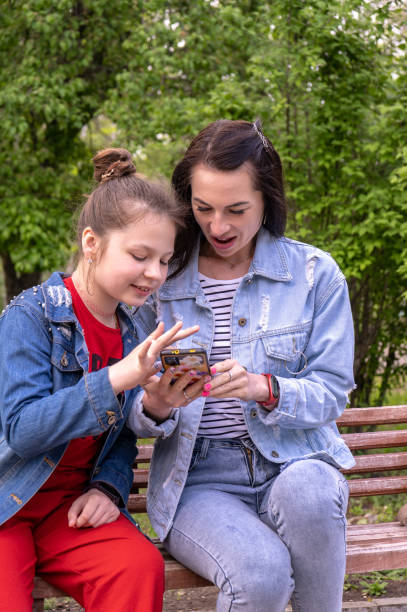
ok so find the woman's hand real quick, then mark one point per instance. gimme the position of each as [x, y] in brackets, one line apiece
[160, 396]
[140, 364]
[92, 509]
[233, 380]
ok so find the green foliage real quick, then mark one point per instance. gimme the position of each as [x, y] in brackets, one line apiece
[57, 61]
[329, 81]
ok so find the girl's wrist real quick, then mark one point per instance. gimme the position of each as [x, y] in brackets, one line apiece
[156, 415]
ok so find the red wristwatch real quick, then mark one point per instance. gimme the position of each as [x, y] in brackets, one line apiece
[274, 392]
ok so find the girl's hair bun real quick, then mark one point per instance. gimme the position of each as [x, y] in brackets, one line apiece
[112, 164]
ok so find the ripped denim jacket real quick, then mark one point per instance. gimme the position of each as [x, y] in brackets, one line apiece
[291, 317]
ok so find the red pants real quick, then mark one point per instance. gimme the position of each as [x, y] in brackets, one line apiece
[112, 568]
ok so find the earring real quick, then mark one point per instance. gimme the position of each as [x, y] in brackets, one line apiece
[90, 260]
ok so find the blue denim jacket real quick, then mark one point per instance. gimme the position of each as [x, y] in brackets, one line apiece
[48, 397]
[290, 317]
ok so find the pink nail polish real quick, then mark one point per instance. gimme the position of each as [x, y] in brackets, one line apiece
[213, 370]
[207, 387]
[205, 393]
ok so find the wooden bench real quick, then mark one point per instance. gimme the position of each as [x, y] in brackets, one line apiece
[369, 547]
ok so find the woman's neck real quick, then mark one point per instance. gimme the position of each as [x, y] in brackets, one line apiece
[222, 268]
[106, 315]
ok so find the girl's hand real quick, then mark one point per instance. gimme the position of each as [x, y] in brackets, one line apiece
[233, 380]
[160, 397]
[92, 509]
[140, 364]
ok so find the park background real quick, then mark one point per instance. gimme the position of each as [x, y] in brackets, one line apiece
[327, 79]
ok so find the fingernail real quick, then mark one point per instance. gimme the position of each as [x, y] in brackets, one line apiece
[208, 378]
[213, 370]
[205, 393]
[207, 387]
[192, 373]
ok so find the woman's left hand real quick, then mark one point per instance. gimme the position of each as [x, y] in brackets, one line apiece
[92, 509]
[233, 380]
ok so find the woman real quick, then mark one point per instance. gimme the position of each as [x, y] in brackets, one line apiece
[69, 361]
[244, 486]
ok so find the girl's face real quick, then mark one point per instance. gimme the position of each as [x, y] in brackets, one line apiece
[228, 210]
[133, 261]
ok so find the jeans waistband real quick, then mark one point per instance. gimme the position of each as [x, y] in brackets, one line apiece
[203, 444]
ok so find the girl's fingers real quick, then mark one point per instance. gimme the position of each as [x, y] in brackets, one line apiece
[184, 333]
[142, 349]
[158, 331]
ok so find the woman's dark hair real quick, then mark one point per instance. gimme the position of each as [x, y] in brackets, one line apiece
[123, 196]
[226, 145]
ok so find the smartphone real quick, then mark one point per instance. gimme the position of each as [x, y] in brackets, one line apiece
[183, 360]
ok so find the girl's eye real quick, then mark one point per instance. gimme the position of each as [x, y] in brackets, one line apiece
[139, 258]
[164, 263]
[237, 212]
[202, 209]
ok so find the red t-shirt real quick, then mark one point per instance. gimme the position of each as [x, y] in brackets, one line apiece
[105, 347]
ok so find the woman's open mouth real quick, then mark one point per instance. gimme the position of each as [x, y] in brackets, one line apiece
[224, 243]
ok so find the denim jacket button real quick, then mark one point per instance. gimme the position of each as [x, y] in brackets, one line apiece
[111, 420]
[274, 454]
[242, 322]
[253, 413]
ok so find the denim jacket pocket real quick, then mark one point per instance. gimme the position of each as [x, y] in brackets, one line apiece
[285, 351]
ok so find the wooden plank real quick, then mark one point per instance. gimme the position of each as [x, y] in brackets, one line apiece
[137, 502]
[140, 477]
[379, 415]
[378, 463]
[383, 485]
[42, 589]
[376, 439]
[376, 547]
[145, 452]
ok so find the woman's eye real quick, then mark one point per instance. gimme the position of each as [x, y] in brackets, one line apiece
[138, 258]
[164, 263]
[201, 209]
[237, 212]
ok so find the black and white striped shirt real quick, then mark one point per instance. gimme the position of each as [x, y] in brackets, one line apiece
[221, 418]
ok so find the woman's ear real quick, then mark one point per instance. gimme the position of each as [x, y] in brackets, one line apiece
[90, 244]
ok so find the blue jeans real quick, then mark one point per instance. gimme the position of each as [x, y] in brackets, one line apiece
[261, 532]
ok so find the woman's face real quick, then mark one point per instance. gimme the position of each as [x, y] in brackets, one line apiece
[228, 210]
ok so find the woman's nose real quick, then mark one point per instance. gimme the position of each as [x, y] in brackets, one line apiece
[219, 226]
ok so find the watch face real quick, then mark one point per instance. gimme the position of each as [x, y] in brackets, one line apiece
[275, 387]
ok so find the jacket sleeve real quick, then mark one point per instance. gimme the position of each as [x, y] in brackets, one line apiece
[319, 394]
[114, 474]
[34, 418]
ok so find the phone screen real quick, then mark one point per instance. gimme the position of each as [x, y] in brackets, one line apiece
[184, 360]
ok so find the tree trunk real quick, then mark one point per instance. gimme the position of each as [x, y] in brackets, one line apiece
[15, 284]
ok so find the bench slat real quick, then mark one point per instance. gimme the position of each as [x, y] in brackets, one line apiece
[376, 439]
[378, 415]
[137, 502]
[376, 547]
[383, 485]
[378, 463]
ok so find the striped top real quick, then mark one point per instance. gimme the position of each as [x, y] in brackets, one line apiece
[221, 418]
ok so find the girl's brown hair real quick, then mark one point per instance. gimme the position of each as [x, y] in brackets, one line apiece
[123, 196]
[226, 145]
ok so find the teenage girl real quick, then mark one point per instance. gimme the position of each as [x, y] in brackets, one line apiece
[69, 363]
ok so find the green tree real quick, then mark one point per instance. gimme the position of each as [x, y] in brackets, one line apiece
[322, 78]
[58, 60]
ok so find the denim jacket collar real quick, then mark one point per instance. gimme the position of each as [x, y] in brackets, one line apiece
[268, 249]
[58, 302]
